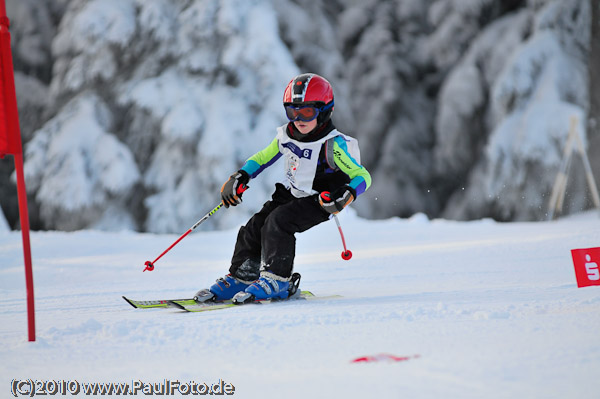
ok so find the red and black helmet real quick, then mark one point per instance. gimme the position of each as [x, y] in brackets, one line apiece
[310, 89]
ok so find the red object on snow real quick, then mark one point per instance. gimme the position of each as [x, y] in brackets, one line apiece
[10, 136]
[383, 357]
[586, 262]
[10, 144]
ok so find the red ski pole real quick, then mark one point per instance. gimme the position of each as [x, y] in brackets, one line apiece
[347, 254]
[150, 265]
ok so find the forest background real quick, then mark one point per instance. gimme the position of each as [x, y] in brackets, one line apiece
[134, 112]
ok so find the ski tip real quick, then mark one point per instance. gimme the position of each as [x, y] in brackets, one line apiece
[129, 302]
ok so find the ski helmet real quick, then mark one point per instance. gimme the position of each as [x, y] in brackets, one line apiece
[310, 89]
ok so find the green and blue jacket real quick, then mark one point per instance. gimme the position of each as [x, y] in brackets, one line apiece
[313, 164]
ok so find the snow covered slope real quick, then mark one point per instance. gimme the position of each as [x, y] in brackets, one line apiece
[479, 309]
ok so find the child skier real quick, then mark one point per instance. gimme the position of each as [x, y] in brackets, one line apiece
[322, 178]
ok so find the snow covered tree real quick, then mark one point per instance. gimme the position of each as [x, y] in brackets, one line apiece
[594, 79]
[216, 103]
[540, 87]
[32, 27]
[462, 125]
[3, 223]
[391, 110]
[192, 88]
[80, 173]
[460, 106]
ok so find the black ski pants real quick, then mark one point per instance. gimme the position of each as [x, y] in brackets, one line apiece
[269, 236]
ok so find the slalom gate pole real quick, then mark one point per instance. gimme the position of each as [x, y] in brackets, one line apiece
[24, 215]
[150, 265]
[10, 144]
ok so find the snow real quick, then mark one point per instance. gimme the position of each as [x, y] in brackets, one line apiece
[480, 310]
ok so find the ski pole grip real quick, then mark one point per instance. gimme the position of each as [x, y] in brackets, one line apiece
[325, 196]
[241, 189]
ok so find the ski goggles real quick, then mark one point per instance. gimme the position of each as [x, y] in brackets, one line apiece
[304, 113]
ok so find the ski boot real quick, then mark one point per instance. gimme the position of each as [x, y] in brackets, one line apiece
[225, 288]
[266, 287]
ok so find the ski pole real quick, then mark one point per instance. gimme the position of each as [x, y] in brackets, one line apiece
[150, 265]
[347, 254]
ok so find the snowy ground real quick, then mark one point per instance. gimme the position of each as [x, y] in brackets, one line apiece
[481, 309]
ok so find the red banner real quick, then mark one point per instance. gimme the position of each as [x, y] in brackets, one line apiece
[10, 136]
[586, 263]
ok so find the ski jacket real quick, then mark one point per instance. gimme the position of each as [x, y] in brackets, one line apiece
[312, 167]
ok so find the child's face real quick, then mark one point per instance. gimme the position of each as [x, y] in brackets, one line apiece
[305, 127]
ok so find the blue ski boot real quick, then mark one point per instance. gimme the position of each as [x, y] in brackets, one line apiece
[225, 288]
[266, 287]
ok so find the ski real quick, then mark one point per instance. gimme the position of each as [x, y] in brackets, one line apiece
[159, 303]
[192, 303]
[209, 306]
[203, 305]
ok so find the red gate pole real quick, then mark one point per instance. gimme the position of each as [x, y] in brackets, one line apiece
[24, 215]
[10, 143]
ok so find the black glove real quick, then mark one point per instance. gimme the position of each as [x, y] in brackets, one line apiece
[338, 200]
[231, 192]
